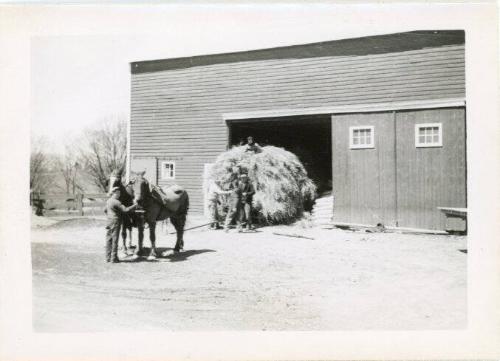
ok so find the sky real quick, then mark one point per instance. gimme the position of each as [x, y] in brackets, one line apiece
[79, 80]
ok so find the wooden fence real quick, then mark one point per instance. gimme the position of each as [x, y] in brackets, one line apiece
[61, 204]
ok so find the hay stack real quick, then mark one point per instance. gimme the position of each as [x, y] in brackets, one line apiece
[282, 187]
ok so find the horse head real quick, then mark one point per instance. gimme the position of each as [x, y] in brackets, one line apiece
[140, 187]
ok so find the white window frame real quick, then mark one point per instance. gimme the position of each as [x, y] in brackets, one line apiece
[164, 175]
[439, 143]
[361, 146]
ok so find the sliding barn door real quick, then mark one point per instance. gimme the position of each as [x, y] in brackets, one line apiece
[363, 168]
[431, 165]
[397, 168]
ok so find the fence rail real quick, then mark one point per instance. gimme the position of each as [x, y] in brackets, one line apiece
[60, 203]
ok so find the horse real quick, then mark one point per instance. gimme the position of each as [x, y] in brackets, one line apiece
[158, 205]
[126, 198]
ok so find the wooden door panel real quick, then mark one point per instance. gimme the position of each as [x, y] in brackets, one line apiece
[364, 179]
[430, 177]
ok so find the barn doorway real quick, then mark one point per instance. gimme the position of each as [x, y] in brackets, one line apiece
[308, 137]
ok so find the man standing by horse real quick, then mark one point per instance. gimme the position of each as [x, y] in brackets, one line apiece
[126, 198]
[155, 204]
[115, 211]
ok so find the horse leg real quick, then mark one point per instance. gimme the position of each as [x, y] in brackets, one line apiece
[124, 236]
[130, 237]
[127, 243]
[152, 239]
[179, 222]
[140, 238]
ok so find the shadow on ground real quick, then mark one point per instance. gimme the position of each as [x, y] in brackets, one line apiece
[172, 256]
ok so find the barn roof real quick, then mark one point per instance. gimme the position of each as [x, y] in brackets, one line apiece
[377, 44]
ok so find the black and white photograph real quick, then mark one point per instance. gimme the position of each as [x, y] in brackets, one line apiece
[272, 170]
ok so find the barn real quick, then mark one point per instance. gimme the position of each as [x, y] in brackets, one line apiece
[378, 121]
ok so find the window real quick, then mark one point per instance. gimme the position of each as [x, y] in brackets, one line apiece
[428, 135]
[167, 170]
[361, 137]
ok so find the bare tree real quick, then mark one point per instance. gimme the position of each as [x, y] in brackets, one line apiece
[41, 166]
[104, 150]
[68, 166]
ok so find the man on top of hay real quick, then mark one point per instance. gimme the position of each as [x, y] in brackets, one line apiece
[252, 146]
[114, 211]
[246, 191]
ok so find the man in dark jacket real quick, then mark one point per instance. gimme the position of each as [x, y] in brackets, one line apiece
[246, 191]
[233, 205]
[115, 211]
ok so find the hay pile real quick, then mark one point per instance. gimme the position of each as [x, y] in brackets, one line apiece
[282, 187]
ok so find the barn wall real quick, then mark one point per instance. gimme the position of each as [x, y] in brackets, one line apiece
[178, 113]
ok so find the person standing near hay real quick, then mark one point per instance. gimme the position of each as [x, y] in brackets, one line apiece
[233, 205]
[246, 191]
[214, 192]
[114, 211]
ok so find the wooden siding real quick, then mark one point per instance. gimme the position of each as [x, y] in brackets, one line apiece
[364, 179]
[178, 113]
[430, 177]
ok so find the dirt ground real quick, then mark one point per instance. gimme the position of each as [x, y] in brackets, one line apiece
[340, 280]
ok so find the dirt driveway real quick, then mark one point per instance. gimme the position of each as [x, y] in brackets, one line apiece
[252, 281]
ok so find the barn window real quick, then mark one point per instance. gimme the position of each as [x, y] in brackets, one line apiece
[167, 170]
[361, 137]
[428, 135]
